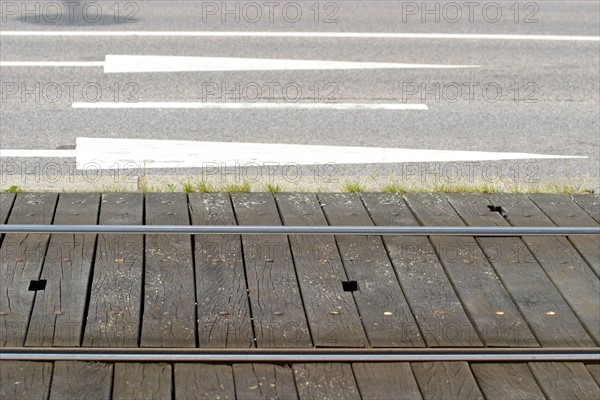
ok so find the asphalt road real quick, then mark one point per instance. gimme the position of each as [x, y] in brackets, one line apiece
[526, 95]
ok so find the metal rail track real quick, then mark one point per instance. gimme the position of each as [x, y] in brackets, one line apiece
[325, 355]
[301, 230]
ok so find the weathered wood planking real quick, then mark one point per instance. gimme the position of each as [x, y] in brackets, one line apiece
[525, 279]
[506, 381]
[590, 204]
[385, 313]
[81, 380]
[332, 314]
[58, 311]
[496, 317]
[437, 309]
[114, 311]
[446, 380]
[564, 212]
[169, 318]
[264, 381]
[6, 203]
[224, 318]
[279, 317]
[25, 380]
[562, 263]
[204, 381]
[325, 381]
[386, 381]
[568, 380]
[142, 381]
[594, 370]
[21, 259]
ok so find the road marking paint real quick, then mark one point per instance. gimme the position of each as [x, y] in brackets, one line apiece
[17, 153]
[107, 153]
[51, 63]
[255, 106]
[341, 35]
[145, 63]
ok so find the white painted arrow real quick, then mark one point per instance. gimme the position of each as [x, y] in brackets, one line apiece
[134, 63]
[113, 153]
[140, 64]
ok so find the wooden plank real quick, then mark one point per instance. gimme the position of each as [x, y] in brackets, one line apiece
[386, 381]
[532, 290]
[325, 381]
[436, 307]
[565, 380]
[6, 203]
[489, 305]
[446, 380]
[332, 314]
[57, 318]
[220, 277]
[264, 381]
[113, 318]
[204, 381]
[506, 381]
[21, 258]
[25, 380]
[384, 310]
[142, 381]
[561, 210]
[561, 262]
[594, 370]
[590, 203]
[279, 317]
[169, 318]
[81, 380]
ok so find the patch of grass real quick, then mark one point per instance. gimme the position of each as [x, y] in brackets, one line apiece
[14, 189]
[188, 188]
[394, 188]
[484, 188]
[171, 188]
[273, 188]
[353, 187]
[238, 187]
[205, 187]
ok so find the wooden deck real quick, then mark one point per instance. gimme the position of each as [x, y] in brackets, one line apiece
[420, 380]
[278, 291]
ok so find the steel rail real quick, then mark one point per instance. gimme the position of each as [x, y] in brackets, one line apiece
[301, 230]
[298, 355]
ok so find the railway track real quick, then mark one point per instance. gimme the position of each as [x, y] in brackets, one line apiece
[323, 355]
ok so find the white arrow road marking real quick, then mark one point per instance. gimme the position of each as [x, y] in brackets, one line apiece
[256, 106]
[335, 35]
[118, 153]
[139, 64]
[128, 63]
[107, 153]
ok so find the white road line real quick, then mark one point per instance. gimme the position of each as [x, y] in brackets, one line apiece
[341, 35]
[147, 63]
[16, 153]
[256, 106]
[51, 63]
[107, 153]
